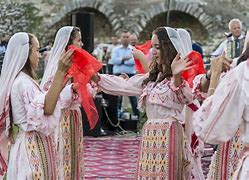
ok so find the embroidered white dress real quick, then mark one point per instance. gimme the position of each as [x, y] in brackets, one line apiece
[32, 156]
[69, 138]
[161, 153]
[225, 159]
[222, 114]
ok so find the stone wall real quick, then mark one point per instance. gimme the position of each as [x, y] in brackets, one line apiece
[207, 18]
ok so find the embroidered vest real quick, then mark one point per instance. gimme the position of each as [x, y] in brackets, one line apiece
[234, 47]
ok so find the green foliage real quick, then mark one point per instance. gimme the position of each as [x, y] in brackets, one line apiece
[15, 17]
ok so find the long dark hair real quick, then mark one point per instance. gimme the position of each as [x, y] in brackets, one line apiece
[28, 67]
[72, 36]
[167, 55]
[244, 56]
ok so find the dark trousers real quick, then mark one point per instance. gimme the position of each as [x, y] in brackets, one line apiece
[133, 101]
[110, 68]
[104, 69]
[111, 112]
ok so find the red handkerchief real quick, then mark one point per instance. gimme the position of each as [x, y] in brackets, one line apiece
[84, 66]
[197, 61]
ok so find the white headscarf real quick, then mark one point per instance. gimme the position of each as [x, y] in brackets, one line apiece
[61, 40]
[186, 41]
[15, 58]
[175, 39]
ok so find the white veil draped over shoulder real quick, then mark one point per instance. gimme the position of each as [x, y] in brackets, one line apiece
[60, 43]
[15, 58]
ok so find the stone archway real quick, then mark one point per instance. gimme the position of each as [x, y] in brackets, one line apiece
[192, 9]
[178, 19]
[99, 5]
[137, 19]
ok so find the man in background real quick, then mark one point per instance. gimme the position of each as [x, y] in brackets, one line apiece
[233, 44]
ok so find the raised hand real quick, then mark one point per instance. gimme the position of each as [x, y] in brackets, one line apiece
[137, 54]
[216, 64]
[65, 61]
[226, 63]
[179, 65]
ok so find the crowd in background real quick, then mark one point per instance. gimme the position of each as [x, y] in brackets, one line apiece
[186, 105]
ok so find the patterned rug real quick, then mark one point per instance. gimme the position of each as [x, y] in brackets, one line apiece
[110, 158]
[115, 158]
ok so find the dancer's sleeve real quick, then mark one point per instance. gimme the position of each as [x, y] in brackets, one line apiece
[220, 116]
[118, 86]
[68, 97]
[29, 109]
[198, 94]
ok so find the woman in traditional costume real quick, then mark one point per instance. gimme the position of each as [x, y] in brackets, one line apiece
[163, 93]
[33, 112]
